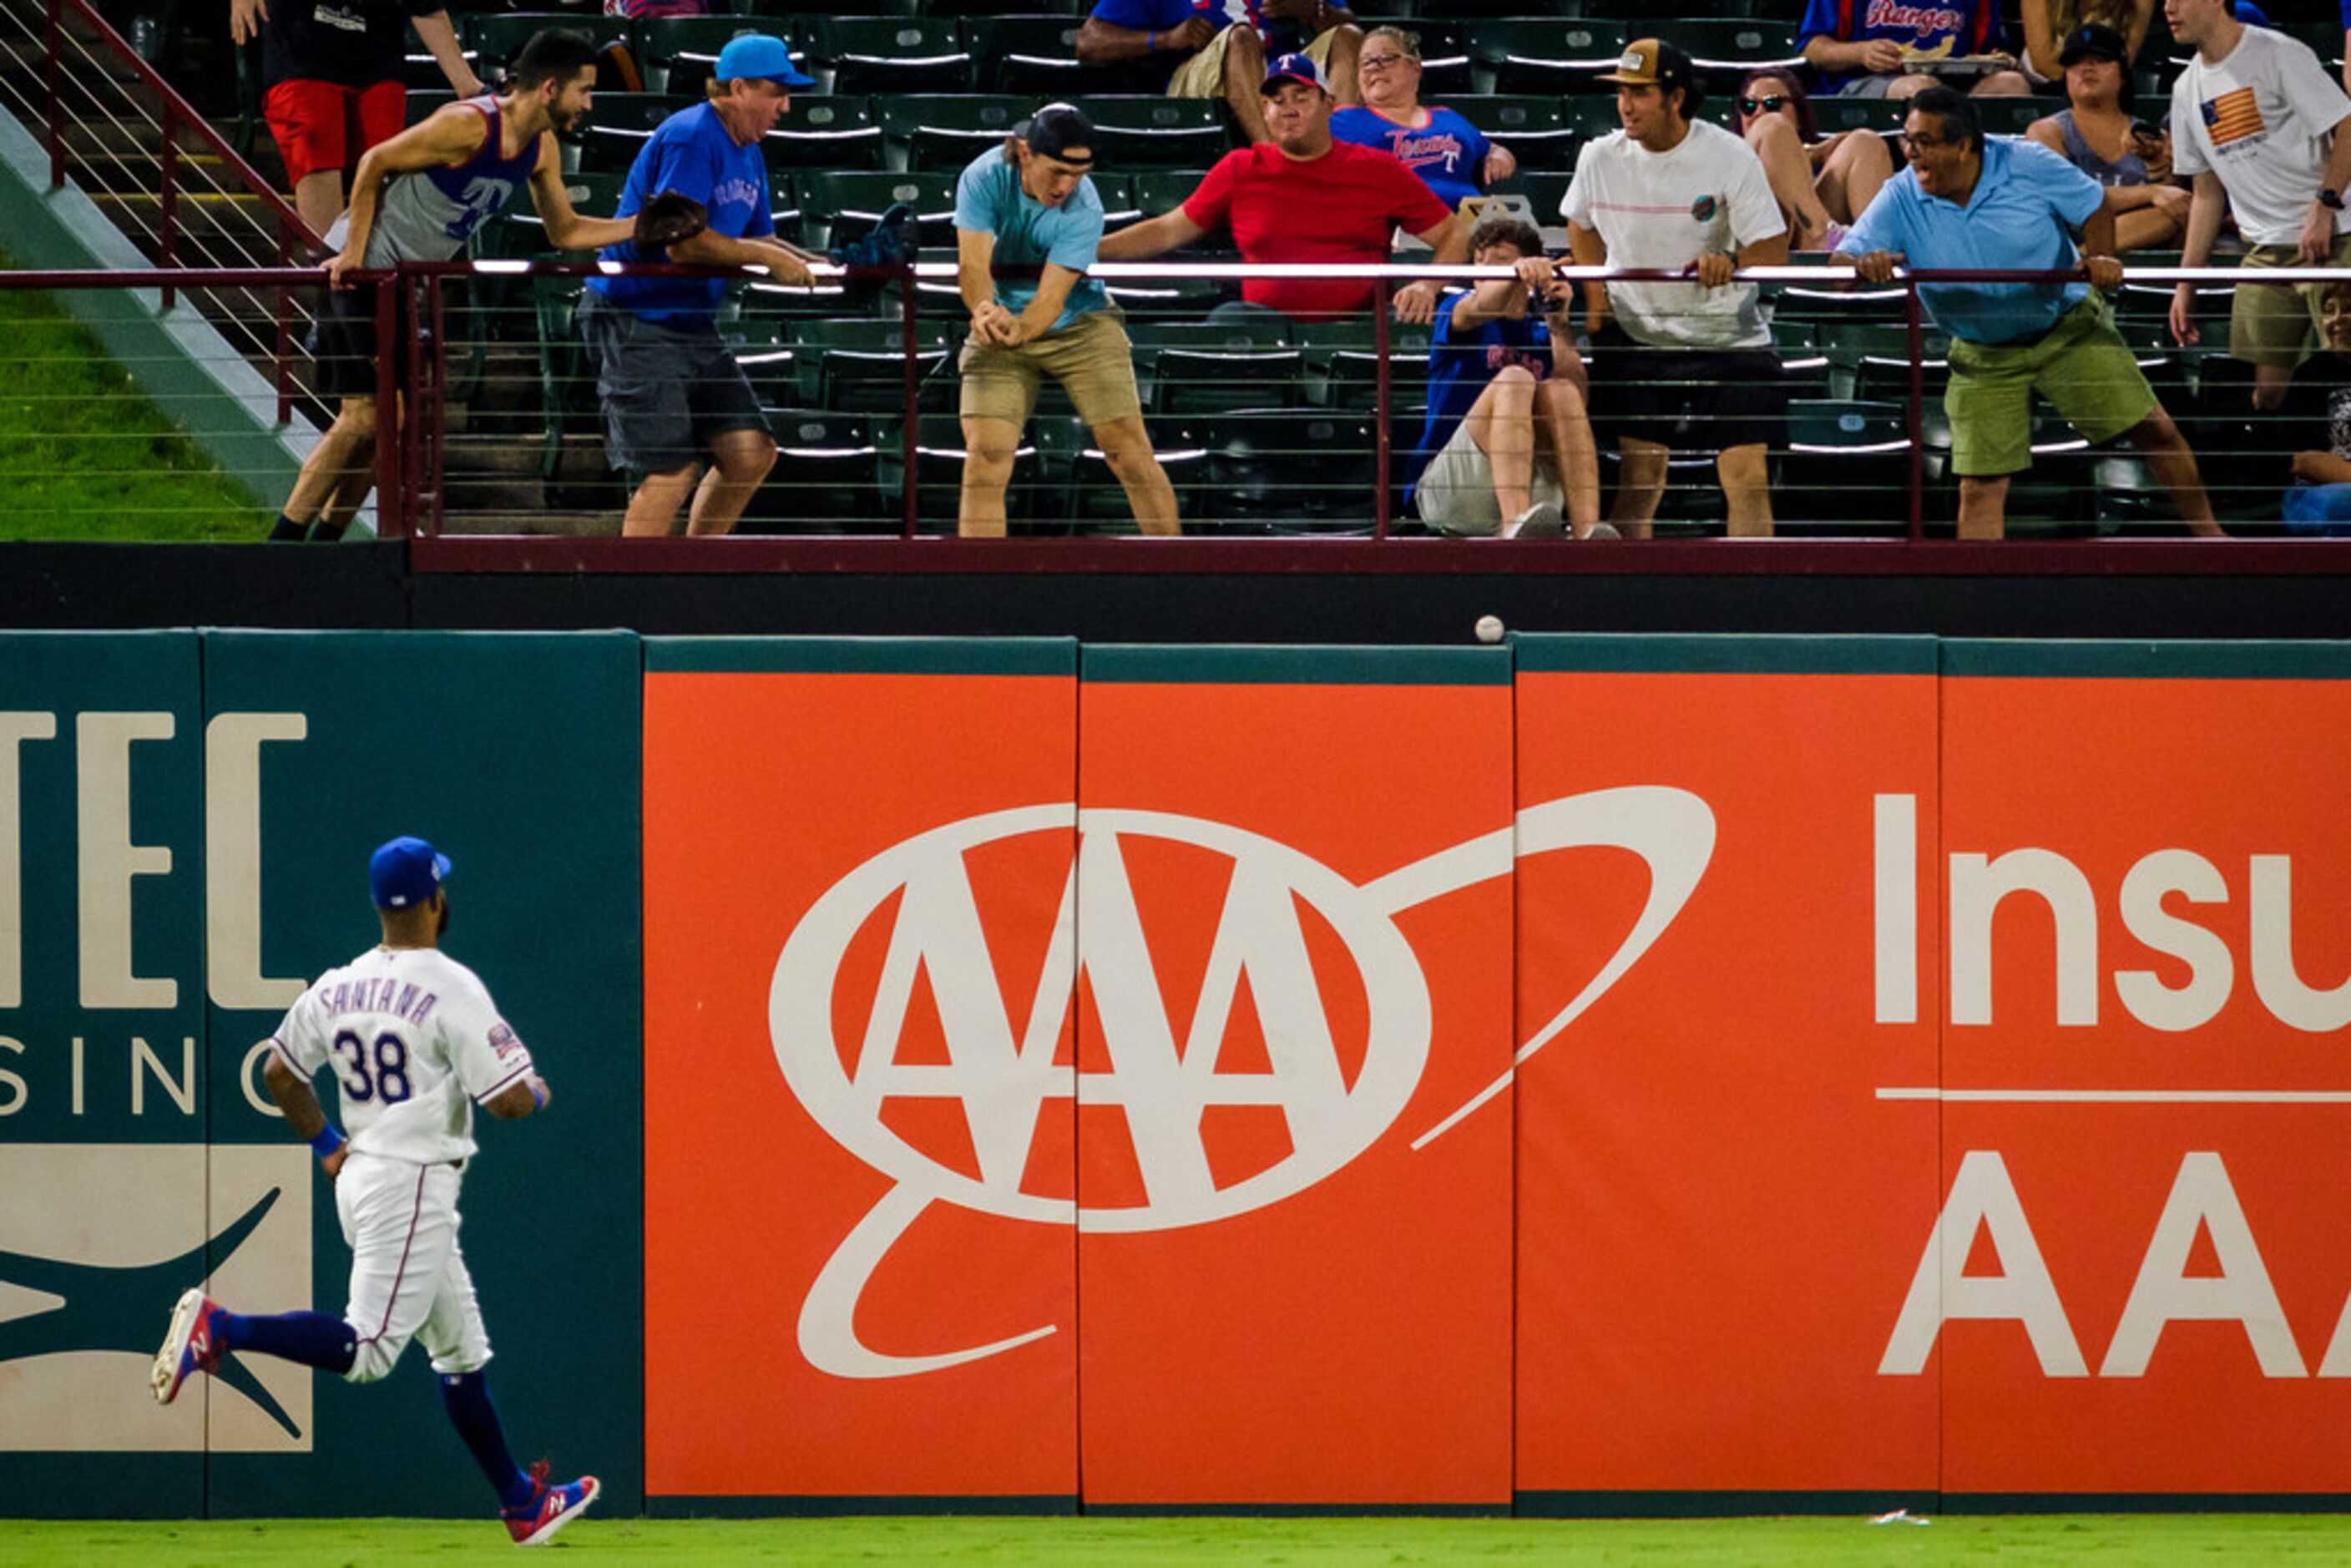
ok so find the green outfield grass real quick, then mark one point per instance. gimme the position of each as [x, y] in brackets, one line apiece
[2135, 1538]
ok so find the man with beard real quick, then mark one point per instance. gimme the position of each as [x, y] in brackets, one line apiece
[419, 197]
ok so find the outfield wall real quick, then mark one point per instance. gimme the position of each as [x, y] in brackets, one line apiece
[1029, 1074]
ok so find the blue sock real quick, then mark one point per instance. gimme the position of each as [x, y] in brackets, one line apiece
[314, 1339]
[466, 1397]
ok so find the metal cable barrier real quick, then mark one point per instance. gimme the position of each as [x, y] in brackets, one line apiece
[1266, 428]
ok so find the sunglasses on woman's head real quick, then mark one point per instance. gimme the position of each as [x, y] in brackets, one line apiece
[1771, 105]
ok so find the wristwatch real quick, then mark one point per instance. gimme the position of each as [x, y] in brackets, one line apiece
[2331, 198]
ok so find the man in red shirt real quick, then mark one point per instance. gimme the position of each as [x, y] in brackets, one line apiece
[1303, 198]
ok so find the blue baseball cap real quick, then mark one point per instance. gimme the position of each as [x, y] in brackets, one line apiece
[1293, 67]
[405, 872]
[759, 57]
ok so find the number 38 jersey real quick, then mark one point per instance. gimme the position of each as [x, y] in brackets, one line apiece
[414, 1040]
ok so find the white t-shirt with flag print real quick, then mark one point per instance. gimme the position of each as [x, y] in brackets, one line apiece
[2263, 119]
[414, 1040]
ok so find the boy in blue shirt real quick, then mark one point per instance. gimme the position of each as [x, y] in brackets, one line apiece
[1023, 207]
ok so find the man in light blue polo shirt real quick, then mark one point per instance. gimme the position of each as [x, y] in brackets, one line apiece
[1966, 202]
[1028, 223]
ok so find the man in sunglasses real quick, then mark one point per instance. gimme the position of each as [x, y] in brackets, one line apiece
[1966, 202]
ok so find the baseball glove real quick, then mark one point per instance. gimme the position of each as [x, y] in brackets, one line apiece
[670, 219]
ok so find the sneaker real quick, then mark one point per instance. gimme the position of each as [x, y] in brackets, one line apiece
[1602, 532]
[1540, 521]
[551, 1506]
[193, 1345]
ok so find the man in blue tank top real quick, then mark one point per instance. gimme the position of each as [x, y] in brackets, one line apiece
[419, 197]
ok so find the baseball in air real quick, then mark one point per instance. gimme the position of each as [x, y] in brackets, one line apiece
[1489, 628]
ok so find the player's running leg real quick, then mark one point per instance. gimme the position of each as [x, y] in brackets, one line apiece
[203, 1331]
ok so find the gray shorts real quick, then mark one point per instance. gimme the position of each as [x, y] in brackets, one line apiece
[667, 386]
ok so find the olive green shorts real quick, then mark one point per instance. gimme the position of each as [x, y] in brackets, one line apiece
[2081, 365]
[2277, 323]
[1091, 357]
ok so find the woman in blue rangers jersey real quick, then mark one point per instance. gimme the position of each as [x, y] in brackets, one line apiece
[419, 197]
[1451, 156]
[415, 1043]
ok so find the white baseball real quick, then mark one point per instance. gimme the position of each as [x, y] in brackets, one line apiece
[1489, 628]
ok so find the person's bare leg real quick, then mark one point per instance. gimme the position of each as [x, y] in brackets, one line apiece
[2271, 383]
[1243, 79]
[1856, 166]
[1789, 170]
[1339, 68]
[2174, 467]
[652, 510]
[1501, 424]
[739, 463]
[1126, 446]
[1983, 507]
[1640, 486]
[1565, 428]
[342, 450]
[1746, 490]
[988, 445]
[318, 198]
[1999, 84]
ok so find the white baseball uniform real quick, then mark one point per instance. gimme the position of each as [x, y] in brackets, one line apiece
[414, 1040]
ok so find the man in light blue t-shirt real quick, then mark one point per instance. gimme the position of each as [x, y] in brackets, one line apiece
[1028, 211]
[1964, 204]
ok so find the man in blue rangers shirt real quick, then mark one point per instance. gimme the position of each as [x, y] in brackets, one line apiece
[1025, 206]
[1966, 202]
[670, 385]
[1508, 442]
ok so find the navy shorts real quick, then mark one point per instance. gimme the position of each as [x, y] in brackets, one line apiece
[342, 342]
[667, 386]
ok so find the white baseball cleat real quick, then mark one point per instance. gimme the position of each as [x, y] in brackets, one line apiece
[551, 1506]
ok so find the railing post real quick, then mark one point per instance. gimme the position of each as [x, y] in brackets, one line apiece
[1918, 412]
[169, 216]
[285, 344]
[1382, 390]
[389, 519]
[54, 41]
[909, 442]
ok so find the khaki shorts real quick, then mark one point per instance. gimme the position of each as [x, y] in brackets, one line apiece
[1203, 75]
[2277, 323]
[1091, 357]
[1455, 493]
[2081, 365]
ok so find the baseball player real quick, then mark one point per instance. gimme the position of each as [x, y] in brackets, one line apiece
[415, 1043]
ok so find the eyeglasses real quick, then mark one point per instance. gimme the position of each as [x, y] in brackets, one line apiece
[1771, 105]
[1378, 62]
[1928, 143]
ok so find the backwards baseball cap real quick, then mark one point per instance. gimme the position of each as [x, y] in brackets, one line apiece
[1293, 67]
[405, 872]
[759, 57]
[1651, 62]
[2091, 41]
[1060, 131]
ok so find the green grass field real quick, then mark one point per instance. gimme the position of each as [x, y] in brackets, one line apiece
[2134, 1539]
[83, 455]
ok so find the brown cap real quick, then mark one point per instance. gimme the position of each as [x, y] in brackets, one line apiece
[1651, 62]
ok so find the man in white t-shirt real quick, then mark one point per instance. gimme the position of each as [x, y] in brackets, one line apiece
[2258, 123]
[415, 1043]
[1681, 195]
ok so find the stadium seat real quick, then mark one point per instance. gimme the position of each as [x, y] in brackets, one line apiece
[768, 11]
[675, 53]
[1847, 461]
[1725, 49]
[948, 131]
[857, 365]
[2011, 115]
[425, 102]
[1155, 191]
[1591, 114]
[1535, 128]
[566, 377]
[830, 131]
[1205, 380]
[977, 10]
[1445, 65]
[1116, 194]
[1882, 115]
[1279, 471]
[1544, 189]
[617, 126]
[1342, 365]
[1076, 490]
[824, 479]
[1141, 131]
[765, 347]
[1544, 54]
[493, 38]
[1874, 358]
[1171, 298]
[842, 205]
[1248, 333]
[891, 54]
[1036, 55]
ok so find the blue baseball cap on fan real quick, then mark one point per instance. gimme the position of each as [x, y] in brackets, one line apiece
[1293, 67]
[404, 873]
[759, 57]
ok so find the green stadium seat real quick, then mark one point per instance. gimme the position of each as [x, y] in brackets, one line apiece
[770, 357]
[1535, 128]
[1882, 115]
[1725, 49]
[1445, 65]
[843, 204]
[1283, 470]
[1156, 191]
[827, 131]
[1343, 364]
[948, 131]
[1544, 54]
[824, 479]
[675, 53]
[1257, 331]
[857, 365]
[493, 38]
[1035, 55]
[796, 11]
[617, 127]
[424, 102]
[1171, 298]
[1544, 189]
[2011, 115]
[891, 54]
[979, 10]
[1186, 380]
[1141, 131]
[1847, 461]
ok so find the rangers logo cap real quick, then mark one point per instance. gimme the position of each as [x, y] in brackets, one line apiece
[1293, 67]
[759, 57]
[1651, 62]
[405, 872]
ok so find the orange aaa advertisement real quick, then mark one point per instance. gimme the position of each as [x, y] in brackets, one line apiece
[860, 1258]
[1726, 941]
[1295, 930]
[2140, 1285]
